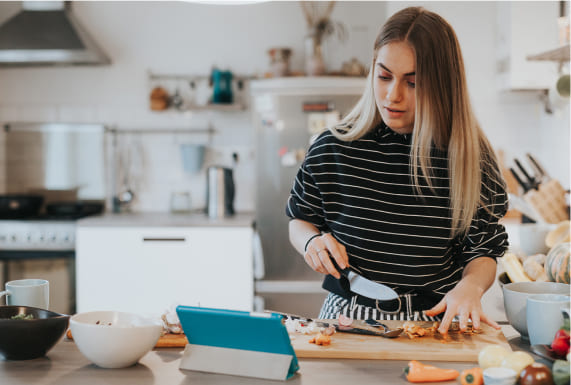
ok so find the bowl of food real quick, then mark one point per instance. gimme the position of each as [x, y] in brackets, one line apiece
[112, 339]
[515, 300]
[29, 332]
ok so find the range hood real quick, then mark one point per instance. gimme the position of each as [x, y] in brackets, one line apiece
[46, 33]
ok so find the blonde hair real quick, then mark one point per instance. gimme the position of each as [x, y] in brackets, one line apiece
[444, 118]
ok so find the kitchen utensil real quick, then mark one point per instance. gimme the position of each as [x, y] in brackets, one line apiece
[75, 209]
[544, 316]
[28, 292]
[192, 157]
[24, 339]
[544, 352]
[515, 300]
[357, 327]
[525, 208]
[455, 347]
[366, 287]
[531, 181]
[549, 201]
[222, 86]
[390, 333]
[537, 166]
[220, 192]
[113, 339]
[16, 206]
[524, 185]
[180, 202]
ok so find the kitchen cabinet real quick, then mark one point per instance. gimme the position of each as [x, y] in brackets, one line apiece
[525, 28]
[147, 269]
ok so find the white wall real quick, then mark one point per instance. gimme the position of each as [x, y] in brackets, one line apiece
[189, 38]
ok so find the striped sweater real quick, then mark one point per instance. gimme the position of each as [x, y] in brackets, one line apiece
[362, 192]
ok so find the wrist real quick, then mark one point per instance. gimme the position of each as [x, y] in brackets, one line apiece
[310, 239]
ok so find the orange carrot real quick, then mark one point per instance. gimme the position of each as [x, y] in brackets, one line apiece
[473, 376]
[418, 372]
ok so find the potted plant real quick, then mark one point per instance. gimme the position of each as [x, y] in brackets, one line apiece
[320, 26]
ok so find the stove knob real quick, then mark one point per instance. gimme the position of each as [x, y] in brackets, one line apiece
[14, 238]
[29, 238]
[41, 237]
[52, 237]
[2, 238]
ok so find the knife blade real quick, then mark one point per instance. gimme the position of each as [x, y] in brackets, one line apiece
[365, 287]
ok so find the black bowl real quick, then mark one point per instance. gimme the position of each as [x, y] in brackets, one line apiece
[24, 339]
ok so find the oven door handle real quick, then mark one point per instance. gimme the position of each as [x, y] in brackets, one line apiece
[164, 239]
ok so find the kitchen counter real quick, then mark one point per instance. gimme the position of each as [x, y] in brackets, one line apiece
[64, 365]
[194, 219]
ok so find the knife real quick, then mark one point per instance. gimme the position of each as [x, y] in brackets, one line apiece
[524, 185]
[531, 180]
[366, 287]
[357, 327]
[543, 176]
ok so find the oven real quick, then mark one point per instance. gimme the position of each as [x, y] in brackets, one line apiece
[37, 248]
[54, 174]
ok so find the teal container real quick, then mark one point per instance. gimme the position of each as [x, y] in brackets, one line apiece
[222, 87]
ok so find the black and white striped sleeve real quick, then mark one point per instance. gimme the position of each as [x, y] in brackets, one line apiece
[305, 201]
[487, 237]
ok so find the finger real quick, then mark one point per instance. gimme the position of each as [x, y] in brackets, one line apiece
[337, 251]
[312, 260]
[325, 259]
[475, 320]
[437, 309]
[463, 320]
[446, 321]
[490, 322]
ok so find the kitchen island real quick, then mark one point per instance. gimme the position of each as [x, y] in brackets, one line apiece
[65, 365]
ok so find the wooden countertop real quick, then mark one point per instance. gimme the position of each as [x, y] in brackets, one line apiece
[65, 365]
[148, 219]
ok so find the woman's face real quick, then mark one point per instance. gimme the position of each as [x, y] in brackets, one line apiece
[394, 86]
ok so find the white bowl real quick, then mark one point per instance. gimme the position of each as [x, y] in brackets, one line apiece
[532, 237]
[499, 376]
[515, 300]
[113, 339]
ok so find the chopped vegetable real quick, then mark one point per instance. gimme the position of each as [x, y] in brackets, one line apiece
[418, 372]
[492, 356]
[321, 339]
[517, 361]
[560, 372]
[474, 376]
[23, 316]
[535, 374]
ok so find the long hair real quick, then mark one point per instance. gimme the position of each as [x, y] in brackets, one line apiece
[444, 117]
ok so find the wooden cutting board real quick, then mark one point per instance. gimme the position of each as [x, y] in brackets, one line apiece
[456, 347]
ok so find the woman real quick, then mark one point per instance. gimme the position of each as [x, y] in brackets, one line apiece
[405, 190]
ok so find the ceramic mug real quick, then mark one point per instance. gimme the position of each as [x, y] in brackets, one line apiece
[27, 292]
[544, 316]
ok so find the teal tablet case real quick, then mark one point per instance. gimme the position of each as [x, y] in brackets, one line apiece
[241, 330]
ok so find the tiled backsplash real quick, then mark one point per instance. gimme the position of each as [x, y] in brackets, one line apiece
[156, 162]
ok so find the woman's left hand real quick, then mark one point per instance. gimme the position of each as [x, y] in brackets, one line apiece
[465, 301]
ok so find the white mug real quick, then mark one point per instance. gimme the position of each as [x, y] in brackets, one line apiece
[27, 292]
[544, 316]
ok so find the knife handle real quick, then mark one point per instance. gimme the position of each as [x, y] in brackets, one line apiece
[343, 272]
[530, 179]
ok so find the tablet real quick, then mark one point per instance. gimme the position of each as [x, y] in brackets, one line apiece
[229, 330]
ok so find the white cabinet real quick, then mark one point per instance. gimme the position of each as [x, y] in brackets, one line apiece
[525, 28]
[147, 269]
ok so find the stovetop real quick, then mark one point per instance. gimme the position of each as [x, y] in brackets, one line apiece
[41, 233]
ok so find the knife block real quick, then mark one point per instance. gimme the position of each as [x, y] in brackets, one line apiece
[549, 201]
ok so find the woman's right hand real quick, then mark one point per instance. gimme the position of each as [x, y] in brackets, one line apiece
[319, 252]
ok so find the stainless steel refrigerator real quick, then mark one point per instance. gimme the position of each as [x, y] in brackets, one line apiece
[287, 113]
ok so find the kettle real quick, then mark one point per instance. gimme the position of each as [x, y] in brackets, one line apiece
[219, 192]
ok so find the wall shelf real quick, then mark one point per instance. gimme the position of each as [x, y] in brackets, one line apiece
[560, 54]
